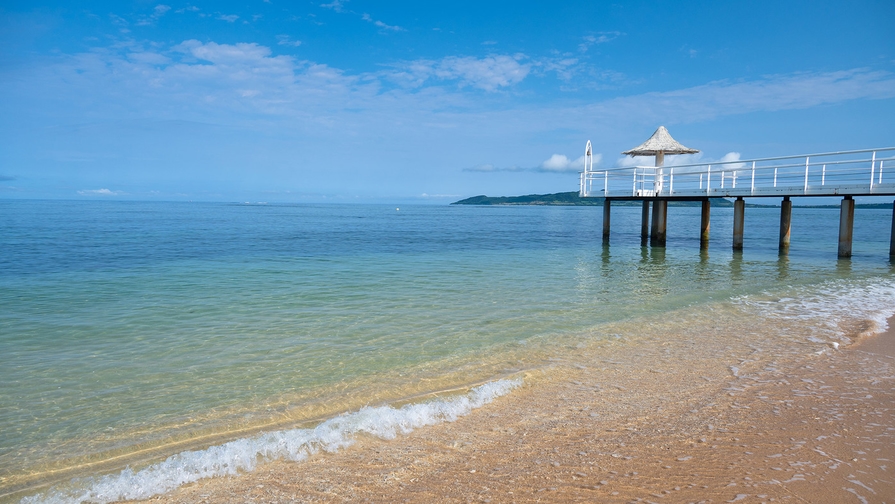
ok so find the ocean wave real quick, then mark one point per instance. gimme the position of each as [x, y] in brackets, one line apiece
[242, 455]
[832, 303]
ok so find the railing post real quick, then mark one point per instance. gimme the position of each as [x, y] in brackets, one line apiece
[806, 175]
[671, 181]
[823, 175]
[775, 176]
[606, 183]
[880, 172]
[708, 180]
[752, 189]
[872, 163]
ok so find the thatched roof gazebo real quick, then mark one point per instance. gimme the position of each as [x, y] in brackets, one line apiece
[658, 145]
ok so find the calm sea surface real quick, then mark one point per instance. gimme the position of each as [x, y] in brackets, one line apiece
[133, 331]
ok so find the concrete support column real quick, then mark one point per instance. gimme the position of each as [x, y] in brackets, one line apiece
[739, 214]
[606, 211]
[785, 223]
[644, 222]
[660, 219]
[892, 237]
[705, 225]
[846, 226]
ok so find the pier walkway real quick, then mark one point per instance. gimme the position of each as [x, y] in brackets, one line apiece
[867, 172]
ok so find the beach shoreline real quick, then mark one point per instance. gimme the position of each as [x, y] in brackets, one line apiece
[705, 420]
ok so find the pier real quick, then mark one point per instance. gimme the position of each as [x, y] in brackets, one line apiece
[845, 174]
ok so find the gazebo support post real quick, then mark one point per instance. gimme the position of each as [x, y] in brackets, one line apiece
[739, 214]
[705, 225]
[785, 224]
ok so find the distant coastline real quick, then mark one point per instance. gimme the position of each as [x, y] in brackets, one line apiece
[573, 199]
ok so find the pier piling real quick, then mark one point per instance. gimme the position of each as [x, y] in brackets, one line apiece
[660, 220]
[644, 222]
[846, 226]
[785, 224]
[739, 213]
[705, 224]
[606, 212]
[892, 236]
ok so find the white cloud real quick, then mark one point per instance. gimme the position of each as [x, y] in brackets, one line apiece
[160, 10]
[230, 18]
[561, 163]
[729, 158]
[100, 192]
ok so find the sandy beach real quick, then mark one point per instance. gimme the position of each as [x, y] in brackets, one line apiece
[694, 418]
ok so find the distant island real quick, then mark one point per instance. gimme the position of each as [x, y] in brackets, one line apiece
[570, 199]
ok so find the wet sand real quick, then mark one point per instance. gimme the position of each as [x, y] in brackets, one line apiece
[753, 417]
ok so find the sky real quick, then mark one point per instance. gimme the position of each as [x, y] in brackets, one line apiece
[419, 102]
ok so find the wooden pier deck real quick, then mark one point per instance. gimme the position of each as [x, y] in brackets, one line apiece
[847, 174]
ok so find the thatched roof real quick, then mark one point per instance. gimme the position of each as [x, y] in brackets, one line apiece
[661, 141]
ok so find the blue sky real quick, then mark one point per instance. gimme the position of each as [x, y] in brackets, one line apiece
[340, 100]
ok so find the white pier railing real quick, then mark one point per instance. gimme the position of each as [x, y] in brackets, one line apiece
[866, 172]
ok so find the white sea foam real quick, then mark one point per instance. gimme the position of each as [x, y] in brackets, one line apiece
[831, 303]
[297, 444]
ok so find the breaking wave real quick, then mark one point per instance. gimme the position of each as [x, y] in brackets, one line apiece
[241, 455]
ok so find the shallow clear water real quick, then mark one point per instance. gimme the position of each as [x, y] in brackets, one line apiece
[130, 331]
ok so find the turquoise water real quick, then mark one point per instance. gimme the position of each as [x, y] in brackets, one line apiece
[132, 331]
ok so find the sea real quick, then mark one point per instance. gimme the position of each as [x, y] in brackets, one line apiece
[146, 345]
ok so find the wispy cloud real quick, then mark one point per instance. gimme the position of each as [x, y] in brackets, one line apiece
[489, 73]
[285, 40]
[380, 24]
[157, 13]
[598, 38]
[336, 5]
[100, 192]
[772, 93]
[488, 168]
[557, 163]
[230, 18]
